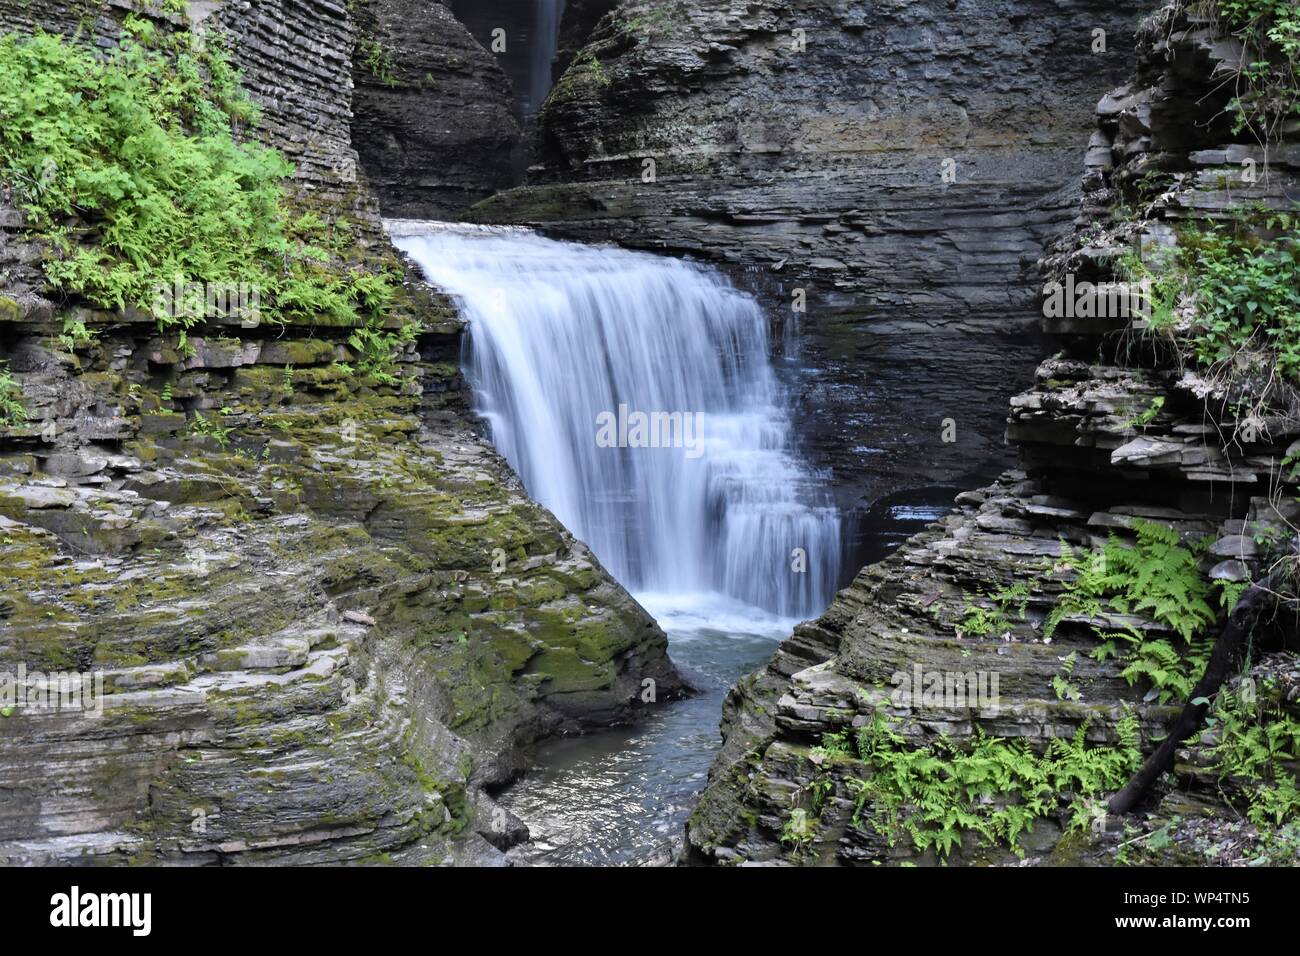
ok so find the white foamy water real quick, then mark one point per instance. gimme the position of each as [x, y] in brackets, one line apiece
[561, 333]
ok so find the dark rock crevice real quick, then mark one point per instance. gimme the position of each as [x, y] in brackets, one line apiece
[432, 116]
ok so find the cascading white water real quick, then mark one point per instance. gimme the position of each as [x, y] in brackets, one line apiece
[562, 335]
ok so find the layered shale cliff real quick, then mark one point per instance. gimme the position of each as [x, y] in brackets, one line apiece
[323, 616]
[432, 117]
[899, 166]
[1117, 438]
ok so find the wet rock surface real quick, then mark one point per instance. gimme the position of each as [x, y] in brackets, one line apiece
[1098, 454]
[324, 622]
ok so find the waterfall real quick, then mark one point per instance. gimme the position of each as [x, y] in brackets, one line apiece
[546, 42]
[573, 349]
[524, 35]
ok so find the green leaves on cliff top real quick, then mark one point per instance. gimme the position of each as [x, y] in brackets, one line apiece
[1267, 92]
[1242, 286]
[129, 167]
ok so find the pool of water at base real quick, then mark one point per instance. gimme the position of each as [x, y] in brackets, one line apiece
[621, 797]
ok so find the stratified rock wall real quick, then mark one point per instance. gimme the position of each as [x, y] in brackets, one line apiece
[903, 163]
[433, 119]
[296, 57]
[324, 611]
[1111, 431]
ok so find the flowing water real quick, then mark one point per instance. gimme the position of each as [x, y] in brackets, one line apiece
[636, 398]
[568, 342]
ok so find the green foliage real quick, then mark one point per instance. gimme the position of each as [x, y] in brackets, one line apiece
[655, 20]
[1157, 577]
[13, 412]
[1147, 416]
[1252, 742]
[1241, 288]
[129, 167]
[1280, 847]
[1247, 294]
[379, 61]
[799, 830]
[833, 745]
[592, 66]
[1061, 684]
[1171, 672]
[201, 425]
[993, 788]
[1267, 93]
[74, 334]
[1230, 593]
[979, 620]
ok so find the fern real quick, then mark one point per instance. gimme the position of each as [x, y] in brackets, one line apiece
[133, 170]
[13, 412]
[1254, 743]
[993, 788]
[978, 620]
[1156, 577]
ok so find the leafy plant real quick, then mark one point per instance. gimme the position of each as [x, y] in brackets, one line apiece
[13, 412]
[74, 335]
[1147, 416]
[130, 168]
[799, 830]
[201, 425]
[1254, 740]
[1247, 294]
[993, 788]
[592, 65]
[979, 620]
[1156, 576]
[1227, 288]
[655, 20]
[1061, 684]
[1267, 92]
[380, 62]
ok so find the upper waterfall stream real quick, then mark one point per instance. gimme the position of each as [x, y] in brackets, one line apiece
[584, 359]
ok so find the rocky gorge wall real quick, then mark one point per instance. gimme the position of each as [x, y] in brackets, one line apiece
[1113, 431]
[808, 142]
[296, 61]
[324, 616]
[432, 115]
